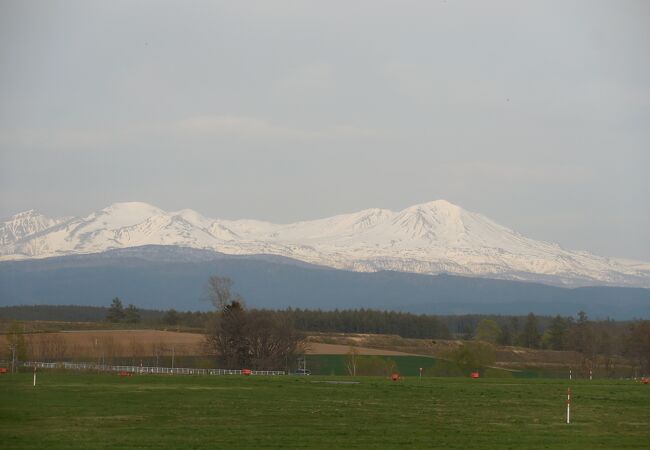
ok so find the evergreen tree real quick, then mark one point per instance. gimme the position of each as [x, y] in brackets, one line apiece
[557, 333]
[116, 311]
[581, 336]
[131, 314]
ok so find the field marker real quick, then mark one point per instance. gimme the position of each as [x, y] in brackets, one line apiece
[34, 376]
[568, 405]
[590, 375]
[570, 374]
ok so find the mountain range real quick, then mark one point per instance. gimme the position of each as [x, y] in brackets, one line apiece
[161, 277]
[437, 237]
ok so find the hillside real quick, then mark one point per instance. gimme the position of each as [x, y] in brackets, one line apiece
[168, 277]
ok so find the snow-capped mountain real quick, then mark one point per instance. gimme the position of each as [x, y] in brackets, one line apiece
[429, 238]
[25, 224]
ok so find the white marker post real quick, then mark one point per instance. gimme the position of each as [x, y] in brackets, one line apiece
[570, 374]
[590, 375]
[568, 405]
[34, 376]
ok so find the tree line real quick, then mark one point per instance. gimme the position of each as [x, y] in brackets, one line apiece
[263, 332]
[594, 340]
[265, 338]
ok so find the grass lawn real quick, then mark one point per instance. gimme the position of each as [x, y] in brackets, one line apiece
[106, 411]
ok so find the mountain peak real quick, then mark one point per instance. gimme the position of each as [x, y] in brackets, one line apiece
[432, 237]
[29, 215]
[132, 206]
[24, 224]
[435, 205]
[123, 214]
[25, 214]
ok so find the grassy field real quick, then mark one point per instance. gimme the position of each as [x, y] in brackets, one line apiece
[409, 366]
[335, 364]
[106, 411]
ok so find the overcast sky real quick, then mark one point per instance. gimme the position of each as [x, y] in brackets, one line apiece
[536, 114]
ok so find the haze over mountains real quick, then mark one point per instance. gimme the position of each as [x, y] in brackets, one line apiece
[430, 238]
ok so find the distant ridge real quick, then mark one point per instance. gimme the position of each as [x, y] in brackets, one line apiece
[429, 238]
[162, 277]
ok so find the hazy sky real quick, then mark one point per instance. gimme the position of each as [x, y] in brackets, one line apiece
[536, 114]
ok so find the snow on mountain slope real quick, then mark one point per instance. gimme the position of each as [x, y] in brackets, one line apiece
[432, 238]
[25, 224]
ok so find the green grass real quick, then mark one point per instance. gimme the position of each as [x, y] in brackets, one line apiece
[335, 364]
[408, 366]
[105, 411]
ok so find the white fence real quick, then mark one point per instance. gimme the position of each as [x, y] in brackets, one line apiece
[146, 370]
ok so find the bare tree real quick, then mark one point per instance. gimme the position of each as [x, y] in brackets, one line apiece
[638, 344]
[219, 292]
[18, 345]
[351, 361]
[227, 336]
[158, 350]
[272, 341]
[242, 338]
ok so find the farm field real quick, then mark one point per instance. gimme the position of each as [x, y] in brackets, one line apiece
[73, 410]
[142, 342]
[325, 351]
